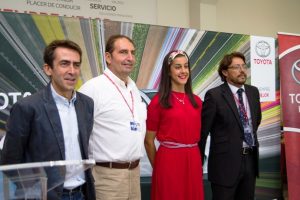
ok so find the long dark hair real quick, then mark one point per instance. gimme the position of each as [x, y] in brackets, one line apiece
[165, 85]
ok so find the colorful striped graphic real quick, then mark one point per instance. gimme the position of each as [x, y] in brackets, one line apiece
[23, 38]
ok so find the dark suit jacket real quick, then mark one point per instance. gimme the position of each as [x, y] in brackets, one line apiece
[34, 134]
[220, 118]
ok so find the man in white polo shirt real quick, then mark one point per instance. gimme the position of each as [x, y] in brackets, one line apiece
[119, 124]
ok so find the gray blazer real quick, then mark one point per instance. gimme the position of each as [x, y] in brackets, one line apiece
[220, 118]
[34, 134]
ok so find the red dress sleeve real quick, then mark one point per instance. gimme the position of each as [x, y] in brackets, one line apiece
[153, 114]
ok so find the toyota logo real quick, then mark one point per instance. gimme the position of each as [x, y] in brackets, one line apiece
[262, 49]
[296, 71]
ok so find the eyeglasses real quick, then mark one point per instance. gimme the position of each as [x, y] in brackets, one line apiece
[238, 67]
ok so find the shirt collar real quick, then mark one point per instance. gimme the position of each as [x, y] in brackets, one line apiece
[60, 99]
[234, 89]
[117, 80]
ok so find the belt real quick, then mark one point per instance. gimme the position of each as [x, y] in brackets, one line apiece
[74, 190]
[176, 145]
[246, 150]
[115, 165]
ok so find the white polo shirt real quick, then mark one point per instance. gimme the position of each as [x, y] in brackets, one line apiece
[118, 134]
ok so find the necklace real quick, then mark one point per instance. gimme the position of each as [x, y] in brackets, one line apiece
[180, 100]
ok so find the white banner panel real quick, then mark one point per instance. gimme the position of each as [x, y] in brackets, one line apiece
[263, 66]
[139, 11]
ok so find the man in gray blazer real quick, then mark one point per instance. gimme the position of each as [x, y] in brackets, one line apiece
[54, 123]
[231, 113]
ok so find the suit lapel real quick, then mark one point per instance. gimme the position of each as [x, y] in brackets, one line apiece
[229, 99]
[54, 119]
[251, 103]
[79, 107]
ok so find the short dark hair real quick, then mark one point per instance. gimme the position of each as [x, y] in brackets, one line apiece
[50, 49]
[110, 44]
[226, 62]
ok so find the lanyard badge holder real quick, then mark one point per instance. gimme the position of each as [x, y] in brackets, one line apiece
[133, 124]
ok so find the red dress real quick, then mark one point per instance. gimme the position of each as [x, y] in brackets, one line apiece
[177, 173]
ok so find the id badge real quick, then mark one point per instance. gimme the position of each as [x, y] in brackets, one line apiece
[134, 126]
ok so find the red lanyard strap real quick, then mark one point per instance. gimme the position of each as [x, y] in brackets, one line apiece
[132, 100]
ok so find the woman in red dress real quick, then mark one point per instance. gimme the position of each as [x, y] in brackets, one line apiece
[174, 119]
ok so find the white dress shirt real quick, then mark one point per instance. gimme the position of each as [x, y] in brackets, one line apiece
[234, 90]
[68, 119]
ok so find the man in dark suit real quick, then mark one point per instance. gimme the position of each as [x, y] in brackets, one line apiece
[54, 124]
[232, 115]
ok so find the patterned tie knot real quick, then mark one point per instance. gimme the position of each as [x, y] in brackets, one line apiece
[240, 95]
[240, 91]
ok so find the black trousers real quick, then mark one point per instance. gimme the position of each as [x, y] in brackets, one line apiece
[244, 188]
